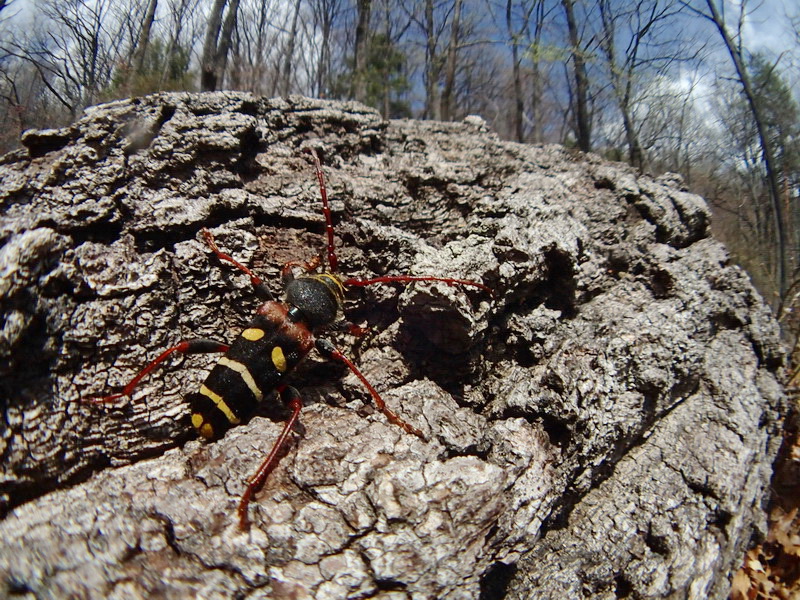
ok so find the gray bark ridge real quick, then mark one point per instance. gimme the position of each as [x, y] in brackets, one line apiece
[603, 427]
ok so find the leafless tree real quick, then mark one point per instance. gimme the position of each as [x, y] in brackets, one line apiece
[289, 50]
[524, 28]
[217, 43]
[359, 88]
[326, 15]
[638, 39]
[583, 125]
[514, 39]
[675, 132]
[734, 44]
[431, 26]
[447, 100]
[445, 35]
[182, 31]
[484, 87]
[77, 53]
[258, 46]
[144, 36]
[19, 87]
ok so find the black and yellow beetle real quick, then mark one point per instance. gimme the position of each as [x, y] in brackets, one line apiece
[280, 335]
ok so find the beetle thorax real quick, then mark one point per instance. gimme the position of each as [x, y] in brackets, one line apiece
[318, 298]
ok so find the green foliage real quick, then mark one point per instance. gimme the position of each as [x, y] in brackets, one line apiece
[385, 72]
[781, 114]
[541, 52]
[161, 70]
[548, 53]
[384, 75]
[741, 185]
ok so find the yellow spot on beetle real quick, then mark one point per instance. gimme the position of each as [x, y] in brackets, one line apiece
[197, 420]
[207, 431]
[278, 359]
[253, 334]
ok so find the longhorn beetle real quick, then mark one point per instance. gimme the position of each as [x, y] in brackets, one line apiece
[280, 335]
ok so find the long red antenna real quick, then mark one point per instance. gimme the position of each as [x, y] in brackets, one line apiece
[333, 262]
[410, 278]
[254, 279]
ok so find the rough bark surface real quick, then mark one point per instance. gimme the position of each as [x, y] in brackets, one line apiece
[604, 427]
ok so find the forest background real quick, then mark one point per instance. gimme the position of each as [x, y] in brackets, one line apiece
[704, 88]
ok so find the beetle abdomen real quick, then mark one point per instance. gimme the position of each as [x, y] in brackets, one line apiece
[255, 364]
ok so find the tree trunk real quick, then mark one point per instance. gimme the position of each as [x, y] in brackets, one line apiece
[537, 89]
[452, 62]
[288, 57]
[359, 84]
[226, 38]
[217, 44]
[259, 60]
[767, 154]
[208, 76]
[178, 14]
[431, 65]
[582, 120]
[324, 66]
[513, 36]
[144, 37]
[621, 75]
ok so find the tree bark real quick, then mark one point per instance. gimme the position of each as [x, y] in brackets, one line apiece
[587, 431]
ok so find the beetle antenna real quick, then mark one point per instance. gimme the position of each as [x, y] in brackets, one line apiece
[326, 210]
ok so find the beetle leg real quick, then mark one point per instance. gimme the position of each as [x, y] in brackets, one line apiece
[195, 346]
[292, 397]
[328, 350]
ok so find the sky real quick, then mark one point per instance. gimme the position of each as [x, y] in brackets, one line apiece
[768, 27]
[767, 30]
